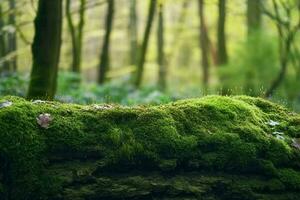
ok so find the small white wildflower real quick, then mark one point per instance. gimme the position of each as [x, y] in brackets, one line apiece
[277, 133]
[279, 137]
[273, 123]
[102, 107]
[44, 120]
[296, 143]
[5, 104]
[38, 101]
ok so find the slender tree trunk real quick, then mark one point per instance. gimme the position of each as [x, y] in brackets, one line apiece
[2, 40]
[46, 50]
[12, 38]
[284, 51]
[253, 15]
[76, 34]
[104, 57]
[222, 57]
[4, 66]
[162, 73]
[177, 32]
[204, 44]
[80, 32]
[144, 47]
[133, 33]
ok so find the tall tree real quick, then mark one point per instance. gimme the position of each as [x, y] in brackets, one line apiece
[76, 34]
[2, 40]
[46, 50]
[204, 44]
[4, 65]
[176, 34]
[144, 47]
[12, 38]
[222, 56]
[162, 72]
[133, 33]
[104, 57]
[253, 15]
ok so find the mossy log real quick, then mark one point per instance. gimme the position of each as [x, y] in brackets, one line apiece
[209, 148]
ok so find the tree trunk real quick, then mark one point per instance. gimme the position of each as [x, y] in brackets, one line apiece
[12, 38]
[284, 51]
[253, 15]
[133, 29]
[222, 57]
[2, 41]
[76, 34]
[46, 50]
[162, 72]
[204, 44]
[104, 57]
[144, 47]
[4, 66]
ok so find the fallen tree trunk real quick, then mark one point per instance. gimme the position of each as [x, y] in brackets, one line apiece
[209, 148]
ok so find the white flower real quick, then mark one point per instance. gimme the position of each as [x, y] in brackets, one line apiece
[38, 101]
[273, 123]
[296, 143]
[279, 137]
[5, 104]
[277, 133]
[102, 107]
[44, 120]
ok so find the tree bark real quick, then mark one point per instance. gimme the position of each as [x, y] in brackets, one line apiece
[204, 44]
[222, 57]
[144, 47]
[162, 72]
[76, 34]
[46, 50]
[253, 15]
[104, 57]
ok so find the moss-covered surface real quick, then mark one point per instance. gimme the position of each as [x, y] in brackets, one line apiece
[209, 148]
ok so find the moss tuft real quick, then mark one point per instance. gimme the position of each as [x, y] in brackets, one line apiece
[88, 151]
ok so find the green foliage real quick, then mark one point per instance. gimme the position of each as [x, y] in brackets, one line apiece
[72, 90]
[290, 178]
[13, 85]
[253, 66]
[233, 135]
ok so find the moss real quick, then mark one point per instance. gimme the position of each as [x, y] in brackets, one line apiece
[85, 144]
[290, 178]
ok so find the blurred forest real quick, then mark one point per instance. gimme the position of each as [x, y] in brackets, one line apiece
[150, 51]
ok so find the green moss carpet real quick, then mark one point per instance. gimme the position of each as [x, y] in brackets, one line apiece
[209, 148]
